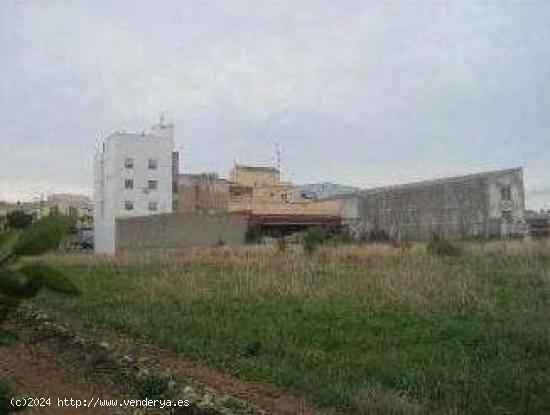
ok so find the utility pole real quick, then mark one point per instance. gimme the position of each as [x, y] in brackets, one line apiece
[41, 205]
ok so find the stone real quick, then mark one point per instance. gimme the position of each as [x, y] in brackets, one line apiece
[104, 345]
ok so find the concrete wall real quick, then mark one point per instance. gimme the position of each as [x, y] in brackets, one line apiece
[460, 207]
[179, 230]
[240, 198]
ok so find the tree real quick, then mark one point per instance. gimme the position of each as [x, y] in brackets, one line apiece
[18, 219]
[23, 281]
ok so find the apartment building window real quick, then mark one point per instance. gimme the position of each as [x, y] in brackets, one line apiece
[152, 205]
[129, 184]
[506, 193]
[128, 205]
[152, 164]
[152, 184]
[129, 163]
[507, 216]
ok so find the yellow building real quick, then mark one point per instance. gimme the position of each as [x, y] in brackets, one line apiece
[251, 189]
[255, 176]
[259, 190]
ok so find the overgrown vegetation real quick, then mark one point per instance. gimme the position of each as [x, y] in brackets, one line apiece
[153, 386]
[313, 238]
[281, 243]
[6, 393]
[441, 246]
[23, 281]
[370, 329]
[377, 235]
[253, 234]
[18, 219]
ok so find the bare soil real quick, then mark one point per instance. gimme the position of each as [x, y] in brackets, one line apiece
[36, 372]
[49, 366]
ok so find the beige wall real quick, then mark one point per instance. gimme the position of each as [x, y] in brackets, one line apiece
[201, 193]
[240, 198]
[255, 176]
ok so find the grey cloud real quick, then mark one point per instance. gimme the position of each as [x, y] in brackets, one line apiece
[362, 92]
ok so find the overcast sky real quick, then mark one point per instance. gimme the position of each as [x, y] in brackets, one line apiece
[365, 93]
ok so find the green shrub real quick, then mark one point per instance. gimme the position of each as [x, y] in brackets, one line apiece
[19, 282]
[313, 238]
[440, 246]
[43, 236]
[153, 386]
[253, 234]
[6, 394]
[379, 235]
[18, 219]
[344, 236]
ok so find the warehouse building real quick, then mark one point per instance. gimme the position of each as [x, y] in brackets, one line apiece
[483, 205]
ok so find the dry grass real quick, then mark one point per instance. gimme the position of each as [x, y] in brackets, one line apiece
[379, 274]
[514, 247]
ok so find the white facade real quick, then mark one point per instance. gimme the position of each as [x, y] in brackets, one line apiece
[133, 177]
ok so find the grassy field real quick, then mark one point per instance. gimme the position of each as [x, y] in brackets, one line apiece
[369, 329]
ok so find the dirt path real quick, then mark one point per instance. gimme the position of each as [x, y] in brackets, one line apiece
[46, 364]
[36, 372]
[269, 397]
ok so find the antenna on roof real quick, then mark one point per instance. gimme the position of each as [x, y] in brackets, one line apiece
[161, 118]
[278, 157]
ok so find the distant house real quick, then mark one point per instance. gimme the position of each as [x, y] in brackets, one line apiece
[250, 189]
[77, 206]
[317, 191]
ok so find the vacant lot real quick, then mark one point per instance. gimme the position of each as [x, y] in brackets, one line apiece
[361, 328]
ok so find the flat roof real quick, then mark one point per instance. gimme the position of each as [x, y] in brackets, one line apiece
[256, 168]
[452, 179]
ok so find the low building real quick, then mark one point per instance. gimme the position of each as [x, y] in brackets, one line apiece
[258, 189]
[251, 189]
[482, 205]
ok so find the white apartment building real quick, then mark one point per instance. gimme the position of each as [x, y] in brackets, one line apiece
[133, 177]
